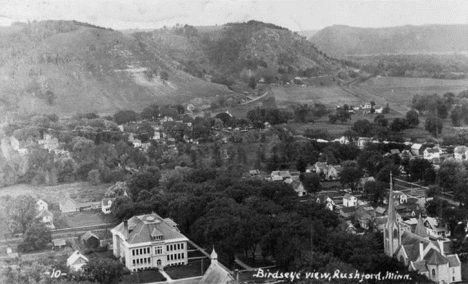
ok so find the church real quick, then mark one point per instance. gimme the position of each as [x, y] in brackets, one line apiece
[417, 251]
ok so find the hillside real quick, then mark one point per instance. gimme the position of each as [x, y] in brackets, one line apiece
[68, 67]
[238, 51]
[342, 40]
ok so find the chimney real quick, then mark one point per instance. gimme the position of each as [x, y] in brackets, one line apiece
[236, 272]
[125, 228]
[421, 250]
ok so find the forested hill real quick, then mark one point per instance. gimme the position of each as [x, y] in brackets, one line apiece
[69, 67]
[342, 40]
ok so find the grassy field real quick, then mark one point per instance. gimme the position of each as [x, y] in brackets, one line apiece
[328, 95]
[402, 90]
[81, 191]
[79, 219]
[192, 269]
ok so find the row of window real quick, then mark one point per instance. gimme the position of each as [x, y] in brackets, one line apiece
[175, 247]
[140, 251]
[142, 261]
[175, 256]
[158, 250]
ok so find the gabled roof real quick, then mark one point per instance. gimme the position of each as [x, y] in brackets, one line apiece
[434, 257]
[322, 198]
[348, 196]
[141, 228]
[421, 229]
[420, 266]
[44, 213]
[107, 201]
[74, 257]
[218, 274]
[59, 242]
[453, 260]
[348, 210]
[67, 201]
[86, 236]
[416, 146]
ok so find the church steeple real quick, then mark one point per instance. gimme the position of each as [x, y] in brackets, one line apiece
[421, 229]
[392, 237]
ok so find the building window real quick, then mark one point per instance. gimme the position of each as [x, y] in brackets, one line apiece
[433, 273]
[158, 250]
[182, 245]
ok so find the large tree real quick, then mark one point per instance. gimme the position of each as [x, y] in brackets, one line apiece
[36, 238]
[412, 118]
[434, 125]
[104, 270]
[21, 213]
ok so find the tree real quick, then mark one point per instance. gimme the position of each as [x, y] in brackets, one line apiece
[399, 124]
[311, 182]
[252, 82]
[412, 118]
[36, 238]
[381, 120]
[21, 210]
[376, 190]
[164, 75]
[450, 173]
[125, 116]
[434, 125]
[104, 270]
[362, 127]
[418, 167]
[456, 116]
[350, 176]
[94, 177]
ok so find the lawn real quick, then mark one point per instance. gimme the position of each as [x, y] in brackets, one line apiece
[79, 219]
[146, 276]
[327, 95]
[192, 269]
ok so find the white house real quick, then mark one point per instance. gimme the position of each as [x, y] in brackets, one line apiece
[460, 153]
[417, 149]
[378, 109]
[362, 142]
[106, 204]
[349, 200]
[148, 241]
[76, 261]
[431, 153]
[298, 188]
[68, 205]
[46, 217]
[435, 228]
[41, 205]
[325, 199]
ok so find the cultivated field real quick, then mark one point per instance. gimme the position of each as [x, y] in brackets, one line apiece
[402, 90]
[79, 219]
[328, 95]
[80, 191]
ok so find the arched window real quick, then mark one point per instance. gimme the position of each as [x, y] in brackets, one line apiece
[402, 260]
[395, 233]
[433, 273]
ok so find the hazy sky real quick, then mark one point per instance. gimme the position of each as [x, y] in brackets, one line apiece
[293, 14]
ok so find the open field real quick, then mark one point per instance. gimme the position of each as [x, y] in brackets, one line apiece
[81, 191]
[328, 95]
[79, 219]
[402, 90]
[192, 269]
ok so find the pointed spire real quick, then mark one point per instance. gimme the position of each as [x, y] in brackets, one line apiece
[391, 204]
[214, 255]
[420, 228]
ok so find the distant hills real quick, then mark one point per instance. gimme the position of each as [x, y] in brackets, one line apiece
[342, 40]
[69, 67]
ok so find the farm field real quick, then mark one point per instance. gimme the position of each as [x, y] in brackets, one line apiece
[327, 95]
[82, 191]
[402, 90]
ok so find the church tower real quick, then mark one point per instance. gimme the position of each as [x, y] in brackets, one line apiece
[392, 237]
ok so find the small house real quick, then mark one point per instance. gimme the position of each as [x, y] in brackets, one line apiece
[68, 205]
[106, 204]
[46, 217]
[417, 149]
[436, 228]
[460, 153]
[364, 216]
[362, 181]
[347, 212]
[76, 261]
[431, 153]
[254, 173]
[347, 226]
[298, 188]
[362, 142]
[326, 200]
[59, 243]
[41, 205]
[90, 239]
[349, 200]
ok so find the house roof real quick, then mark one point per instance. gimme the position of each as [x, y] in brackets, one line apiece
[107, 201]
[59, 242]
[67, 201]
[362, 214]
[86, 236]
[435, 225]
[420, 266]
[420, 228]
[218, 274]
[416, 146]
[141, 227]
[453, 260]
[44, 213]
[395, 151]
[348, 210]
[74, 257]
[322, 198]
[434, 257]
[460, 149]
[380, 210]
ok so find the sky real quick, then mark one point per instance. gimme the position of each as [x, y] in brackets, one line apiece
[296, 15]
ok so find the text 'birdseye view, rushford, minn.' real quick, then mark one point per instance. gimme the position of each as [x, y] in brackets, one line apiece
[242, 151]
